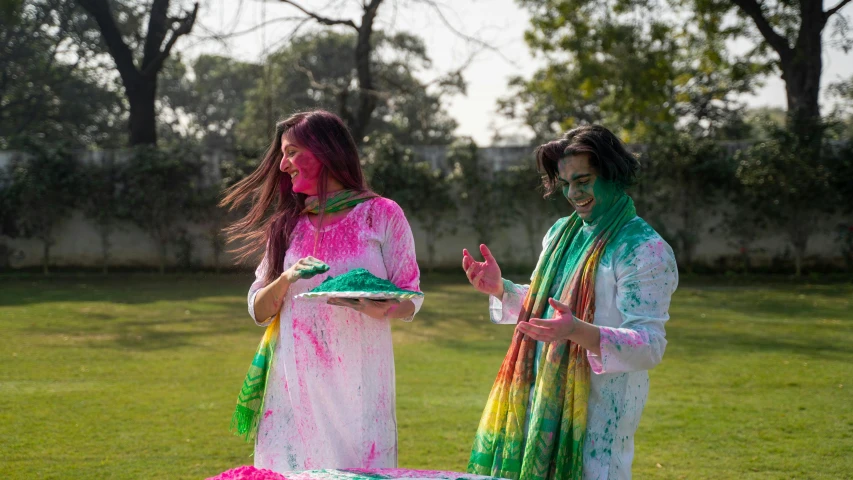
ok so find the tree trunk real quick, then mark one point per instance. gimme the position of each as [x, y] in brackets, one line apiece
[105, 250]
[143, 117]
[367, 94]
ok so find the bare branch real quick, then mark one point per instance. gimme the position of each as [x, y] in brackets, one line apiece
[320, 18]
[184, 28]
[832, 11]
[123, 57]
[778, 42]
[435, 6]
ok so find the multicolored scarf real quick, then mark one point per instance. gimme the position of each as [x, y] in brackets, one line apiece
[250, 401]
[552, 446]
[337, 201]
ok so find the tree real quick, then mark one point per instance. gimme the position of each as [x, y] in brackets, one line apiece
[423, 192]
[121, 39]
[618, 49]
[476, 189]
[100, 199]
[44, 190]
[613, 62]
[158, 192]
[48, 62]
[317, 70]
[213, 98]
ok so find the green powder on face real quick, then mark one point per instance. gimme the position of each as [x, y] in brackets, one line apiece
[358, 280]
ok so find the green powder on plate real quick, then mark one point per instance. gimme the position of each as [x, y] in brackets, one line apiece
[358, 280]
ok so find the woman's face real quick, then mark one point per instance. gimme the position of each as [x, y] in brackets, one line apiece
[302, 166]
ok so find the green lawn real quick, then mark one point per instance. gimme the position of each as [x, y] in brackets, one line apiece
[135, 376]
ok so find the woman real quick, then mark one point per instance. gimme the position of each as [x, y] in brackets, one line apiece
[571, 389]
[328, 400]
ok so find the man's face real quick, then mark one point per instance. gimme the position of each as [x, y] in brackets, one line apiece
[590, 195]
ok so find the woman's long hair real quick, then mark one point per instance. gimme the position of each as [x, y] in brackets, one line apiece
[274, 206]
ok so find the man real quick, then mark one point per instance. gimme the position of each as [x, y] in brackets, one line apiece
[570, 392]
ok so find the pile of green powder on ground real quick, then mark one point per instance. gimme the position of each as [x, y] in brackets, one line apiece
[358, 280]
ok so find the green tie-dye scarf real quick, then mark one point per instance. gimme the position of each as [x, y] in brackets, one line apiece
[250, 401]
[552, 447]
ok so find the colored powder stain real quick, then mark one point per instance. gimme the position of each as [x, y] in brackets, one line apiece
[267, 414]
[371, 457]
[358, 280]
[320, 350]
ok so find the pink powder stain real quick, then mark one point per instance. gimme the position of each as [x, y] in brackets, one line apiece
[248, 473]
[321, 351]
[623, 336]
[267, 414]
[371, 457]
[656, 249]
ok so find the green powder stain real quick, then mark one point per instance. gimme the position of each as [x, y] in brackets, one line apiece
[359, 280]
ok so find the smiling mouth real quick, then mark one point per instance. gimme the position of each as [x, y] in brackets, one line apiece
[293, 175]
[583, 203]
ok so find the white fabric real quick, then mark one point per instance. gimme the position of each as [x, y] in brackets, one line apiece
[633, 286]
[330, 398]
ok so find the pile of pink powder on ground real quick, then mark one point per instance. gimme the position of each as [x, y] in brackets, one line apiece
[252, 473]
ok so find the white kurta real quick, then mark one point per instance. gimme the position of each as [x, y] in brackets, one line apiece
[634, 282]
[330, 397]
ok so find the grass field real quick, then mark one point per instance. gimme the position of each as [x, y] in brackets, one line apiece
[135, 376]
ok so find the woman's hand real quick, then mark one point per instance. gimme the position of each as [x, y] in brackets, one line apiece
[306, 267]
[379, 310]
[484, 276]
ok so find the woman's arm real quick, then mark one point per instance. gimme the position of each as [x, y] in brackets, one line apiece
[269, 299]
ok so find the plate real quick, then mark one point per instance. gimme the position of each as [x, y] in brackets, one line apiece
[325, 296]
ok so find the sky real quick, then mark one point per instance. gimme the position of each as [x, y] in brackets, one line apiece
[500, 23]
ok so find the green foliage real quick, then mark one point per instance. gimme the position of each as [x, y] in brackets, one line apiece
[683, 179]
[620, 63]
[318, 70]
[100, 200]
[479, 195]
[52, 90]
[159, 191]
[213, 99]
[44, 188]
[523, 203]
[423, 192]
[791, 187]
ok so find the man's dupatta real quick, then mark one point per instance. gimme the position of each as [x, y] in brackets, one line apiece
[250, 401]
[553, 448]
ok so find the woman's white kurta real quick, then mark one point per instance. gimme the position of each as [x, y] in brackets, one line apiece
[330, 397]
[635, 279]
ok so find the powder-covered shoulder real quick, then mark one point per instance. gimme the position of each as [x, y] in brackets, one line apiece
[638, 238]
[381, 212]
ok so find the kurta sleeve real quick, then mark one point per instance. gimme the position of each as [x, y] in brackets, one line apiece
[258, 284]
[505, 310]
[398, 254]
[646, 278]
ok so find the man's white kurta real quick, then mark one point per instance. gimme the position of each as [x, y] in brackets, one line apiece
[634, 282]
